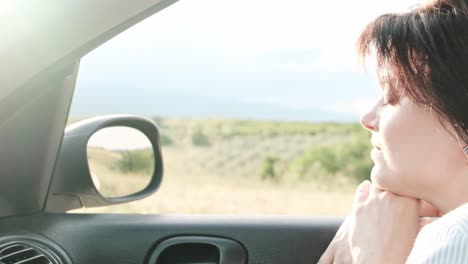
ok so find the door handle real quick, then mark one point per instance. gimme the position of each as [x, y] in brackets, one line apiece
[198, 250]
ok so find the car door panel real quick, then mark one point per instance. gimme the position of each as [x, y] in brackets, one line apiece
[125, 239]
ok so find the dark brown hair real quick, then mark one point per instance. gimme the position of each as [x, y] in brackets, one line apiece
[425, 54]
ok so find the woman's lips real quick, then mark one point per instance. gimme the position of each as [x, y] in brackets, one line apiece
[375, 153]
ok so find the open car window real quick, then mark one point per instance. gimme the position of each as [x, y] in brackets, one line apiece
[257, 103]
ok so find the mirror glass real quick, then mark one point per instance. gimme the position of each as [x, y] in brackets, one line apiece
[121, 161]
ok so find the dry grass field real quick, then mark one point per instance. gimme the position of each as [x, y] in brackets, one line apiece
[223, 174]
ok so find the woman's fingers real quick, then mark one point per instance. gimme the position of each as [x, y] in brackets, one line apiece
[362, 192]
[424, 221]
[428, 213]
[428, 210]
[374, 191]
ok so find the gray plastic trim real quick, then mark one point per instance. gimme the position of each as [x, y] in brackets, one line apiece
[230, 252]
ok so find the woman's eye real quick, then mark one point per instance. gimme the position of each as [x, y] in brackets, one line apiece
[390, 100]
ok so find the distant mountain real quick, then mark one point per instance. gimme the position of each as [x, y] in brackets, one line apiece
[173, 105]
[177, 84]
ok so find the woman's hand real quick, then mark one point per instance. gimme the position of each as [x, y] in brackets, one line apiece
[383, 227]
[339, 249]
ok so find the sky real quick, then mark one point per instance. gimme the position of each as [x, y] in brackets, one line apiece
[255, 59]
[110, 138]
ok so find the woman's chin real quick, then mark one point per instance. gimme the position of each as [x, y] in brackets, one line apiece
[381, 178]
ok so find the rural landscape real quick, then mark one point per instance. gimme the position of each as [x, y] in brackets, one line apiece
[248, 167]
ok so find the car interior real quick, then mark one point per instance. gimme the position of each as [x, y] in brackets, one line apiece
[45, 173]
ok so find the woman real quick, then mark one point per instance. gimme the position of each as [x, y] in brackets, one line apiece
[420, 136]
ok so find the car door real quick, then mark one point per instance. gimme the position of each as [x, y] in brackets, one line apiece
[38, 78]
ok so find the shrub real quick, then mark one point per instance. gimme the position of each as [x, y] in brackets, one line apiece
[349, 159]
[200, 139]
[165, 140]
[356, 158]
[136, 161]
[323, 156]
[268, 169]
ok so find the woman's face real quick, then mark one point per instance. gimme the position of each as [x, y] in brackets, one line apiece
[414, 155]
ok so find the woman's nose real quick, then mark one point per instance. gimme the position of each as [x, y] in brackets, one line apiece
[369, 120]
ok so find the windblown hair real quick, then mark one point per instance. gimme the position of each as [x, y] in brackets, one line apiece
[423, 53]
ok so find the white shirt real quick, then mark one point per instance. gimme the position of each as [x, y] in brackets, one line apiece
[443, 241]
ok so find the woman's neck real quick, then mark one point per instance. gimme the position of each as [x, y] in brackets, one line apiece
[450, 195]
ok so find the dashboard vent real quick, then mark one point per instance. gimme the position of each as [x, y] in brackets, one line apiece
[26, 252]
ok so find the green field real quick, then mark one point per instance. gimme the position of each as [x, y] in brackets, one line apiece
[223, 166]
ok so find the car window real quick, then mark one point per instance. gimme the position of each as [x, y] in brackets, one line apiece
[257, 102]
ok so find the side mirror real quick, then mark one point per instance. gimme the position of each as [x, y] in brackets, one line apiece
[106, 160]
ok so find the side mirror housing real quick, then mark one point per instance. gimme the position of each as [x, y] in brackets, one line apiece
[74, 184]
